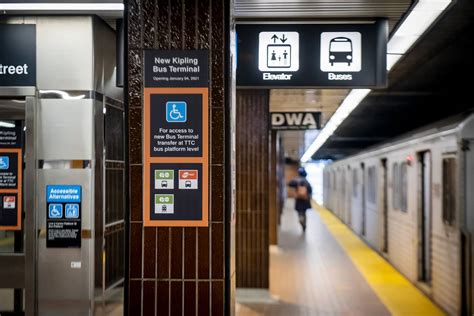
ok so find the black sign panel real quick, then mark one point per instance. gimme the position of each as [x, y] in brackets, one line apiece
[176, 68]
[176, 127]
[10, 137]
[17, 55]
[63, 216]
[312, 55]
[295, 120]
[176, 138]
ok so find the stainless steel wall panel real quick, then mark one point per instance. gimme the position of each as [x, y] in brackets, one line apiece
[63, 290]
[66, 130]
[64, 53]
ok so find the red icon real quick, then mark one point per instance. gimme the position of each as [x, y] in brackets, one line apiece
[9, 202]
[188, 174]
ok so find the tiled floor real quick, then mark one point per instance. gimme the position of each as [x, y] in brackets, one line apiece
[310, 274]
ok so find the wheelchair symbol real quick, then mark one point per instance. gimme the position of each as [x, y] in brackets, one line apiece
[176, 111]
[55, 210]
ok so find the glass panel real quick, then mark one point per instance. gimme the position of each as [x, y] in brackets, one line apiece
[449, 190]
[404, 185]
[114, 131]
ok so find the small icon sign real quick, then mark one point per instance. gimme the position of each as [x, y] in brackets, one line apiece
[72, 210]
[9, 202]
[55, 210]
[4, 162]
[164, 203]
[176, 111]
[278, 51]
[341, 52]
[164, 179]
[188, 179]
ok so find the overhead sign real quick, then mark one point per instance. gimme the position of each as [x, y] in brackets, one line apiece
[11, 168]
[63, 216]
[295, 120]
[176, 138]
[17, 55]
[312, 55]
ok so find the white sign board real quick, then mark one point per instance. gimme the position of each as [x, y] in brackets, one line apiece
[278, 51]
[341, 52]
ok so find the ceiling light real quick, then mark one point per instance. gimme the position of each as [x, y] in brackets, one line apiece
[62, 7]
[418, 21]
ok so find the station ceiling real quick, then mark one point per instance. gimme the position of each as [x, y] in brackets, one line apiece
[432, 82]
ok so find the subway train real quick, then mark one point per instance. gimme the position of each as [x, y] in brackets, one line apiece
[412, 200]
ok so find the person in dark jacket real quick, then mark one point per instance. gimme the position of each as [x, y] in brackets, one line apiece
[303, 193]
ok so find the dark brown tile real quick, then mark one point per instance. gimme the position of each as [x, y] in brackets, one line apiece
[217, 136]
[176, 253]
[135, 251]
[176, 298]
[163, 253]
[135, 298]
[217, 194]
[217, 251]
[203, 299]
[190, 17]
[135, 78]
[217, 298]
[190, 252]
[162, 22]
[190, 298]
[203, 253]
[134, 29]
[204, 24]
[149, 305]
[135, 134]
[149, 253]
[136, 193]
[148, 23]
[162, 298]
[176, 25]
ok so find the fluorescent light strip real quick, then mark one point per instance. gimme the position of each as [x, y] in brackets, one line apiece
[420, 19]
[62, 7]
[7, 124]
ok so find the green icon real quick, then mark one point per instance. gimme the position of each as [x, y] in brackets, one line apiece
[164, 174]
[164, 203]
[164, 179]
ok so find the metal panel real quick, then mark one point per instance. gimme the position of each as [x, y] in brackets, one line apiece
[65, 129]
[64, 53]
[63, 290]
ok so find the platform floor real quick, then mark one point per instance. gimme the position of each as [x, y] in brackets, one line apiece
[317, 273]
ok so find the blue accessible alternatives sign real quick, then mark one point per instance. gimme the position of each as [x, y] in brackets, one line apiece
[63, 194]
[4, 162]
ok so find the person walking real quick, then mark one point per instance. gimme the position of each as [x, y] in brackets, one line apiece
[303, 193]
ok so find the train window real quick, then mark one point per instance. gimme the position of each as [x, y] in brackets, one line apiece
[355, 183]
[404, 186]
[372, 182]
[396, 186]
[449, 190]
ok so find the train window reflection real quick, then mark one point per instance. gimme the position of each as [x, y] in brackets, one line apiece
[354, 182]
[449, 190]
[404, 187]
[396, 186]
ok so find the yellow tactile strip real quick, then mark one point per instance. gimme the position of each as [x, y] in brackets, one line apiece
[394, 290]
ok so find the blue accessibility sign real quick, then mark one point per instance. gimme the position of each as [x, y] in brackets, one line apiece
[4, 162]
[176, 111]
[63, 194]
[55, 210]
[72, 210]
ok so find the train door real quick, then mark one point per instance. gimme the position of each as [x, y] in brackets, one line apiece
[17, 213]
[467, 235]
[363, 199]
[384, 205]
[424, 216]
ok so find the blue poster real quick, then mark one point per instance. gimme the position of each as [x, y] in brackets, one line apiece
[63, 194]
